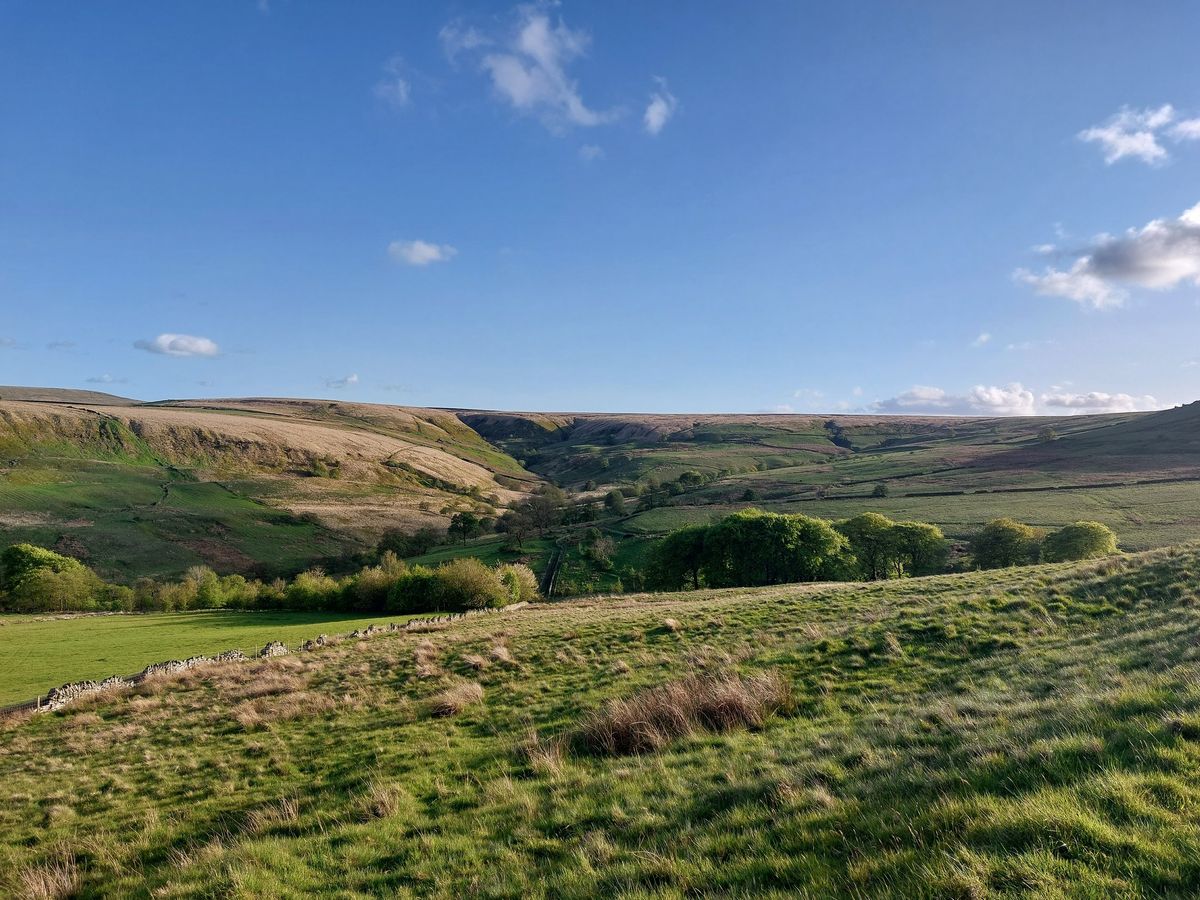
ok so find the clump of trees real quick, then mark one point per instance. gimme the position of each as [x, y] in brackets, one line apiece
[1004, 542]
[753, 547]
[34, 579]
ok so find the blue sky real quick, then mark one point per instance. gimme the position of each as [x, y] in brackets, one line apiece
[944, 207]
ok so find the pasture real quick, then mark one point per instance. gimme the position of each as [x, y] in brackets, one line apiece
[40, 652]
[1031, 732]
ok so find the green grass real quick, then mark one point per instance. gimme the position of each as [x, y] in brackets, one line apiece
[128, 521]
[41, 652]
[1143, 516]
[535, 553]
[1025, 733]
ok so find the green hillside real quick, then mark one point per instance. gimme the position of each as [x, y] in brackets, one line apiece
[1022, 733]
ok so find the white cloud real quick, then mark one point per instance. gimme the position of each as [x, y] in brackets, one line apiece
[1186, 130]
[1009, 400]
[1161, 255]
[106, 379]
[982, 339]
[341, 383]
[1099, 401]
[660, 109]
[394, 88]
[458, 39]
[1132, 133]
[420, 253]
[528, 68]
[179, 345]
[591, 152]
[1138, 134]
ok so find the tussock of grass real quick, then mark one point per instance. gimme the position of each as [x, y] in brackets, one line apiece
[57, 879]
[652, 718]
[456, 698]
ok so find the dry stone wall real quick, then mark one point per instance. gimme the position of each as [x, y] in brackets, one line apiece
[59, 697]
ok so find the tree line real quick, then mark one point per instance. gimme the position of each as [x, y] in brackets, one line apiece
[752, 548]
[34, 579]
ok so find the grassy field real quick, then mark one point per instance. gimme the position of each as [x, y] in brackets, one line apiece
[41, 652]
[1025, 733]
[1143, 516]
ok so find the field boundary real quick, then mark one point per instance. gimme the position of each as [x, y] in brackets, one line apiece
[57, 698]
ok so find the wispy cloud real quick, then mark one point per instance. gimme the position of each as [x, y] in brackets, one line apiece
[1139, 134]
[341, 383]
[591, 152]
[179, 345]
[981, 339]
[660, 109]
[529, 67]
[420, 253]
[61, 345]
[1161, 255]
[106, 379]
[394, 88]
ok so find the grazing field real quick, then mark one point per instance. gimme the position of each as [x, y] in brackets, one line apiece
[1031, 732]
[1143, 516]
[41, 652]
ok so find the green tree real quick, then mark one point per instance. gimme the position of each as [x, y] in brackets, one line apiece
[679, 558]
[921, 548]
[872, 540]
[464, 525]
[21, 560]
[614, 502]
[1004, 542]
[880, 490]
[752, 547]
[1080, 540]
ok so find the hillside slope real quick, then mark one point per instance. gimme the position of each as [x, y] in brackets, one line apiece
[1023, 733]
[254, 486]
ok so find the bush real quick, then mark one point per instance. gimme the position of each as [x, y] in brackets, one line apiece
[519, 582]
[21, 560]
[468, 584]
[369, 590]
[1080, 540]
[312, 590]
[414, 591]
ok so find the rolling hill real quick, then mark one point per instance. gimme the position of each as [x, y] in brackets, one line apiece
[268, 486]
[1031, 732]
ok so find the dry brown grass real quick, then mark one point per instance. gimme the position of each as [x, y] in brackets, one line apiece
[279, 813]
[456, 698]
[501, 654]
[262, 711]
[475, 661]
[672, 625]
[652, 718]
[57, 879]
[425, 655]
[544, 755]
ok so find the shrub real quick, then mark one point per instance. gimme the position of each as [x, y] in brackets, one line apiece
[20, 561]
[468, 584]
[414, 591]
[369, 590]
[519, 582]
[652, 718]
[312, 590]
[1080, 540]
